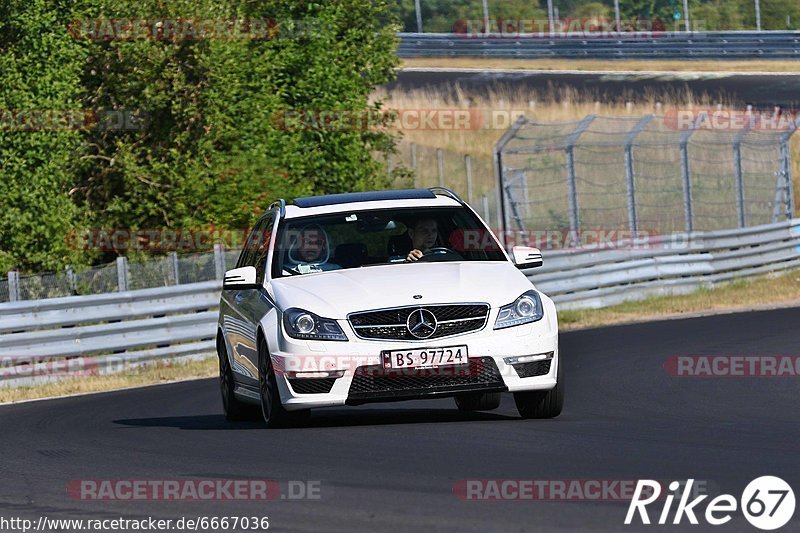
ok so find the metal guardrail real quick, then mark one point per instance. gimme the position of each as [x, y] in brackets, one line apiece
[43, 340]
[666, 45]
[675, 264]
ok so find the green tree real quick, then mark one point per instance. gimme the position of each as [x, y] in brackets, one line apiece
[202, 144]
[40, 74]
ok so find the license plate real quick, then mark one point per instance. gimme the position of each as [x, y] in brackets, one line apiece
[425, 357]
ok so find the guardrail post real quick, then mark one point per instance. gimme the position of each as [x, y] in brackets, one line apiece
[175, 267]
[468, 166]
[414, 162]
[630, 178]
[737, 167]
[572, 182]
[219, 261]
[440, 166]
[122, 273]
[13, 286]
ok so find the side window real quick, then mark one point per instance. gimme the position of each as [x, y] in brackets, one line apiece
[262, 252]
[253, 244]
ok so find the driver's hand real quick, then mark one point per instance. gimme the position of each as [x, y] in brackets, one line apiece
[413, 255]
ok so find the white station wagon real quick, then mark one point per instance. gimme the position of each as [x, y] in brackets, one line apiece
[382, 296]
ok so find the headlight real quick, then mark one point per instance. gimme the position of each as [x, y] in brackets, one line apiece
[302, 324]
[527, 308]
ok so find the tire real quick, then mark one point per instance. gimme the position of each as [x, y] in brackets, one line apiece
[272, 409]
[233, 408]
[542, 404]
[478, 401]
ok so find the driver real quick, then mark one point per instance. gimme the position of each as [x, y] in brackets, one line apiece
[424, 233]
[310, 251]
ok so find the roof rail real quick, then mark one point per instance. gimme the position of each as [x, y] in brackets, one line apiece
[279, 203]
[446, 192]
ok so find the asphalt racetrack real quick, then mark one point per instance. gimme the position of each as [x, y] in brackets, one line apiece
[385, 467]
[760, 91]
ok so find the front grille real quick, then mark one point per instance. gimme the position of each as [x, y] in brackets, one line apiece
[390, 324]
[534, 368]
[312, 385]
[374, 383]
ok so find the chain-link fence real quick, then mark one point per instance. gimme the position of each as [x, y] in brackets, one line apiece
[163, 271]
[643, 174]
[471, 176]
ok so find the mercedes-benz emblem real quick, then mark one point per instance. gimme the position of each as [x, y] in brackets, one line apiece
[421, 323]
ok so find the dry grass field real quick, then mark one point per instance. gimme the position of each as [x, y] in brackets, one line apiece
[552, 106]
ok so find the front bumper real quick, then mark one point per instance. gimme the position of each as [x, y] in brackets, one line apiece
[360, 378]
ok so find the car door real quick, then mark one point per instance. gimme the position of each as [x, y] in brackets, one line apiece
[246, 307]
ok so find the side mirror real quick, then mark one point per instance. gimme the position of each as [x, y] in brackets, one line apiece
[525, 257]
[241, 278]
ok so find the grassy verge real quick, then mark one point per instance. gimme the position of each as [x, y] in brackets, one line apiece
[773, 290]
[146, 375]
[611, 65]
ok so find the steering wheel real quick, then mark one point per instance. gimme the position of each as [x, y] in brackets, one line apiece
[440, 253]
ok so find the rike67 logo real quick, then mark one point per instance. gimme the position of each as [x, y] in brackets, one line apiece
[767, 503]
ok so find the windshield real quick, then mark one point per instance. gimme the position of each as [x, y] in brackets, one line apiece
[364, 238]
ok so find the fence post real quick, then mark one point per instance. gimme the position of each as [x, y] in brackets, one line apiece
[519, 175]
[122, 273]
[13, 287]
[572, 184]
[468, 165]
[175, 267]
[72, 280]
[440, 166]
[219, 261]
[687, 187]
[686, 174]
[414, 162]
[630, 176]
[787, 172]
[738, 176]
[499, 174]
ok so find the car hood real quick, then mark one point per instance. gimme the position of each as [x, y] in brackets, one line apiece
[335, 294]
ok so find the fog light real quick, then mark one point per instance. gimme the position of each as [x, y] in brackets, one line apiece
[322, 374]
[528, 358]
